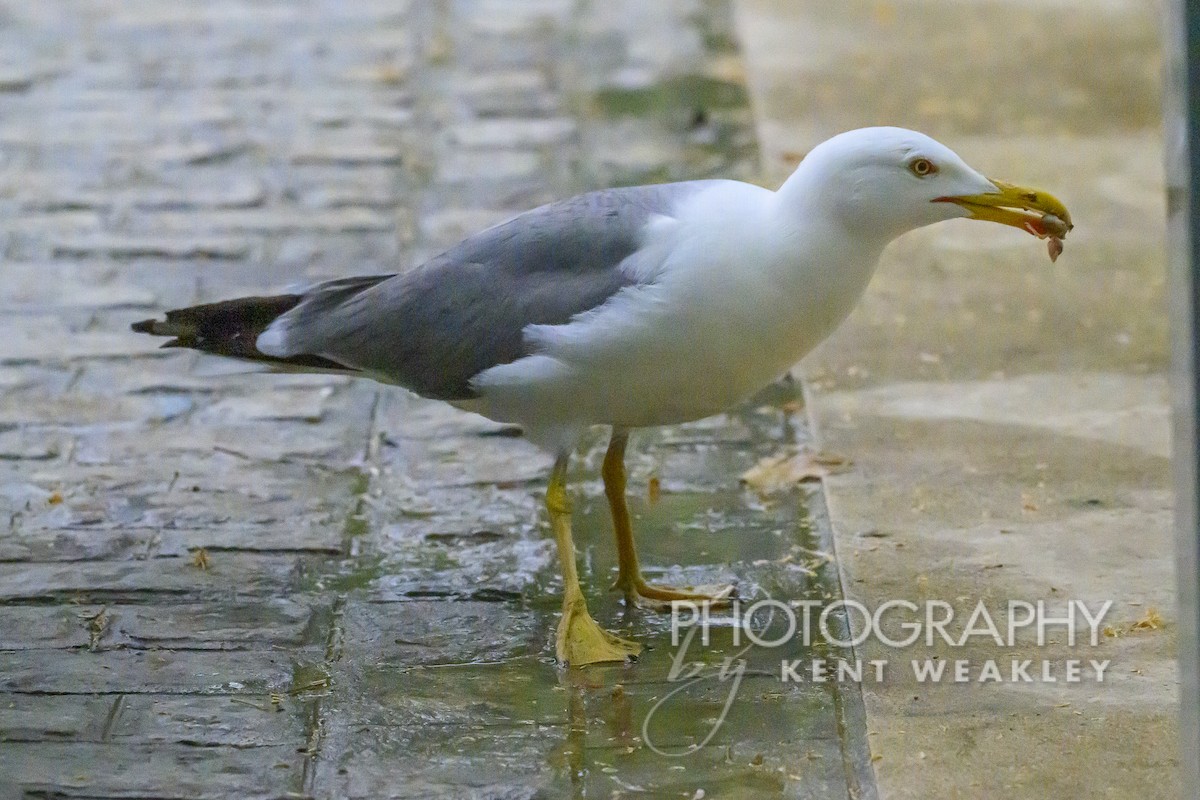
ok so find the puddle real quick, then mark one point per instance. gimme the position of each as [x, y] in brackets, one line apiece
[444, 681]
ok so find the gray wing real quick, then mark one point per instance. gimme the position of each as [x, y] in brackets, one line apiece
[433, 328]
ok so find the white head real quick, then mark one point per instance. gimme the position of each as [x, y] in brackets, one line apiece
[882, 182]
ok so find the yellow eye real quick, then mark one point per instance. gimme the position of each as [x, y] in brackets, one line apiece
[922, 167]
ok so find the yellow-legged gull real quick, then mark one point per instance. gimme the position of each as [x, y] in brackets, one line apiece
[648, 305]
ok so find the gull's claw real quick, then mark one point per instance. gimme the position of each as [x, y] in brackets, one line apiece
[581, 640]
[638, 592]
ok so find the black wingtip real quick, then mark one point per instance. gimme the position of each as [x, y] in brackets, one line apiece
[231, 327]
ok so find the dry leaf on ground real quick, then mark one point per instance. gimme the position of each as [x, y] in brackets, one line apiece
[784, 470]
[1150, 621]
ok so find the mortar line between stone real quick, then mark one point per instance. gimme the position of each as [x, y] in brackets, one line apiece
[849, 710]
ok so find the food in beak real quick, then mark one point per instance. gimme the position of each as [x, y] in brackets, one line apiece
[1055, 248]
[1054, 229]
[1031, 210]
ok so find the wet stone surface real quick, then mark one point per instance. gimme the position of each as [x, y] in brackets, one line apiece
[221, 584]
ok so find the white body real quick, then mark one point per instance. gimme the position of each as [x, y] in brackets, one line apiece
[737, 301]
[728, 287]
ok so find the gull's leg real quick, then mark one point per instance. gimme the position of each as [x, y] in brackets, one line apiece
[629, 573]
[580, 640]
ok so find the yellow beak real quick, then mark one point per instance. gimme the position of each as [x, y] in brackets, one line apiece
[1032, 210]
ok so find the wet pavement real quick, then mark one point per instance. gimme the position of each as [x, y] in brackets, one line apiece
[221, 584]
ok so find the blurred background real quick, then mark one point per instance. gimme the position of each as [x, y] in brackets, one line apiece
[221, 584]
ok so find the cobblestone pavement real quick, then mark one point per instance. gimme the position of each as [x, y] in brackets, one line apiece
[218, 584]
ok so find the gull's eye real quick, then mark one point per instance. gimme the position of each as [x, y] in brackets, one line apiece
[922, 167]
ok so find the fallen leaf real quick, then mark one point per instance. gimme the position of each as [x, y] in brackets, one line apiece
[1150, 621]
[200, 559]
[784, 470]
[96, 623]
[653, 490]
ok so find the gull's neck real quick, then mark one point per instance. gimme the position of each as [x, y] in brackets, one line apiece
[811, 201]
[831, 261]
[824, 187]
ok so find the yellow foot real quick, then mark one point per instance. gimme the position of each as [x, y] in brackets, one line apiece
[581, 641]
[659, 598]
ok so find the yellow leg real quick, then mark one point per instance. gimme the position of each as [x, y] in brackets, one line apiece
[580, 640]
[629, 573]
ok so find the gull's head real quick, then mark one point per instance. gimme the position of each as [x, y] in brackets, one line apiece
[886, 181]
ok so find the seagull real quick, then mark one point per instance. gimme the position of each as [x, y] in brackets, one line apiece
[629, 307]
